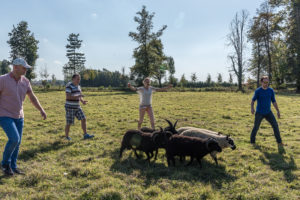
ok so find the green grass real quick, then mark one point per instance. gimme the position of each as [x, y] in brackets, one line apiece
[91, 169]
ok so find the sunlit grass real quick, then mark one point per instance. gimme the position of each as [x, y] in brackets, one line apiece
[91, 169]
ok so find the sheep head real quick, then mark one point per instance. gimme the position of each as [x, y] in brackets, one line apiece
[230, 142]
[160, 138]
[171, 127]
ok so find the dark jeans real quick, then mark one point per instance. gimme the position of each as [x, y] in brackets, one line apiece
[271, 119]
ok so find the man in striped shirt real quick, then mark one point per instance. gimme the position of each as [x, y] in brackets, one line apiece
[72, 106]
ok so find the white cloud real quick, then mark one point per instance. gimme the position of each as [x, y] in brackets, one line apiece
[94, 15]
[179, 21]
[57, 62]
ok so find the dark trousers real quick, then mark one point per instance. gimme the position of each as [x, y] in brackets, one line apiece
[271, 119]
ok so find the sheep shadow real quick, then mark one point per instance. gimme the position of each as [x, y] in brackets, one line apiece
[278, 162]
[209, 173]
[43, 148]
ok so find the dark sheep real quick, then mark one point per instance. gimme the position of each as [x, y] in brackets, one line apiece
[146, 142]
[179, 145]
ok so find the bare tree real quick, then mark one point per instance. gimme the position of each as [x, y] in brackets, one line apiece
[237, 40]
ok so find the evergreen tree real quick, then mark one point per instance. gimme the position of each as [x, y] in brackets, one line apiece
[145, 57]
[219, 78]
[23, 44]
[76, 58]
[208, 79]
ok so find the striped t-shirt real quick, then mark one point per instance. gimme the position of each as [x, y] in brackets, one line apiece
[74, 91]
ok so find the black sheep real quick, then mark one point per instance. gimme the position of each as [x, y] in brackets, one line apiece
[146, 142]
[179, 145]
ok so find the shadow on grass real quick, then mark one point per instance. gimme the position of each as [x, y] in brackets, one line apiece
[278, 162]
[43, 148]
[209, 173]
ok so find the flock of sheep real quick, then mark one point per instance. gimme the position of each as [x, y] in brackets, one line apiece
[185, 141]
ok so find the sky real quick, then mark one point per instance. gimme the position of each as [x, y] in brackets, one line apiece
[196, 35]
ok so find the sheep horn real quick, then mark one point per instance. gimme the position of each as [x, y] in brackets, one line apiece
[170, 123]
[175, 124]
[161, 129]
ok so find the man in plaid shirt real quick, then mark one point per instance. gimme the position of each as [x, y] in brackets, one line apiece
[72, 106]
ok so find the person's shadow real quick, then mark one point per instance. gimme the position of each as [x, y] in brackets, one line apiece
[279, 162]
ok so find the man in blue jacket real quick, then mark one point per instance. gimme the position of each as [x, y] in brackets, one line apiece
[264, 96]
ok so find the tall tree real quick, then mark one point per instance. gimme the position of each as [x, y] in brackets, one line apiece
[255, 35]
[143, 54]
[4, 67]
[194, 77]
[208, 79]
[171, 69]
[76, 58]
[23, 44]
[220, 78]
[183, 81]
[237, 41]
[158, 61]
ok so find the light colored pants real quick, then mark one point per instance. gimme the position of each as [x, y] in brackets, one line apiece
[149, 110]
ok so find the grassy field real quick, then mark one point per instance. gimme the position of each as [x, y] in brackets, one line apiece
[91, 169]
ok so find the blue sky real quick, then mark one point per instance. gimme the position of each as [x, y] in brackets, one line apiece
[195, 37]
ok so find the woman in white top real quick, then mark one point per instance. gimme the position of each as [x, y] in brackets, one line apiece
[145, 93]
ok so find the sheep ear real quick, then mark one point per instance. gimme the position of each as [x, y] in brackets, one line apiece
[154, 136]
[175, 124]
[227, 137]
[170, 124]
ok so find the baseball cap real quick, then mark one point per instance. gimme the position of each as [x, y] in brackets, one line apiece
[21, 61]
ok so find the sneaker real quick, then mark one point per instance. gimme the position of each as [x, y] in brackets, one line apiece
[87, 136]
[68, 138]
[17, 171]
[7, 170]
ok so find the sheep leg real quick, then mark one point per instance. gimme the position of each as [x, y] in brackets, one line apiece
[191, 161]
[214, 156]
[138, 157]
[199, 161]
[156, 152]
[121, 151]
[149, 157]
[182, 159]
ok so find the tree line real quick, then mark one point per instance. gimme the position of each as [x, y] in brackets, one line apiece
[274, 35]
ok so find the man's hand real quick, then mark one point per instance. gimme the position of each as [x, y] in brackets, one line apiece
[278, 114]
[44, 115]
[84, 102]
[252, 111]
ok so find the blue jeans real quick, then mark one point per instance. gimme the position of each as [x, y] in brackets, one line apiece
[271, 119]
[13, 129]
